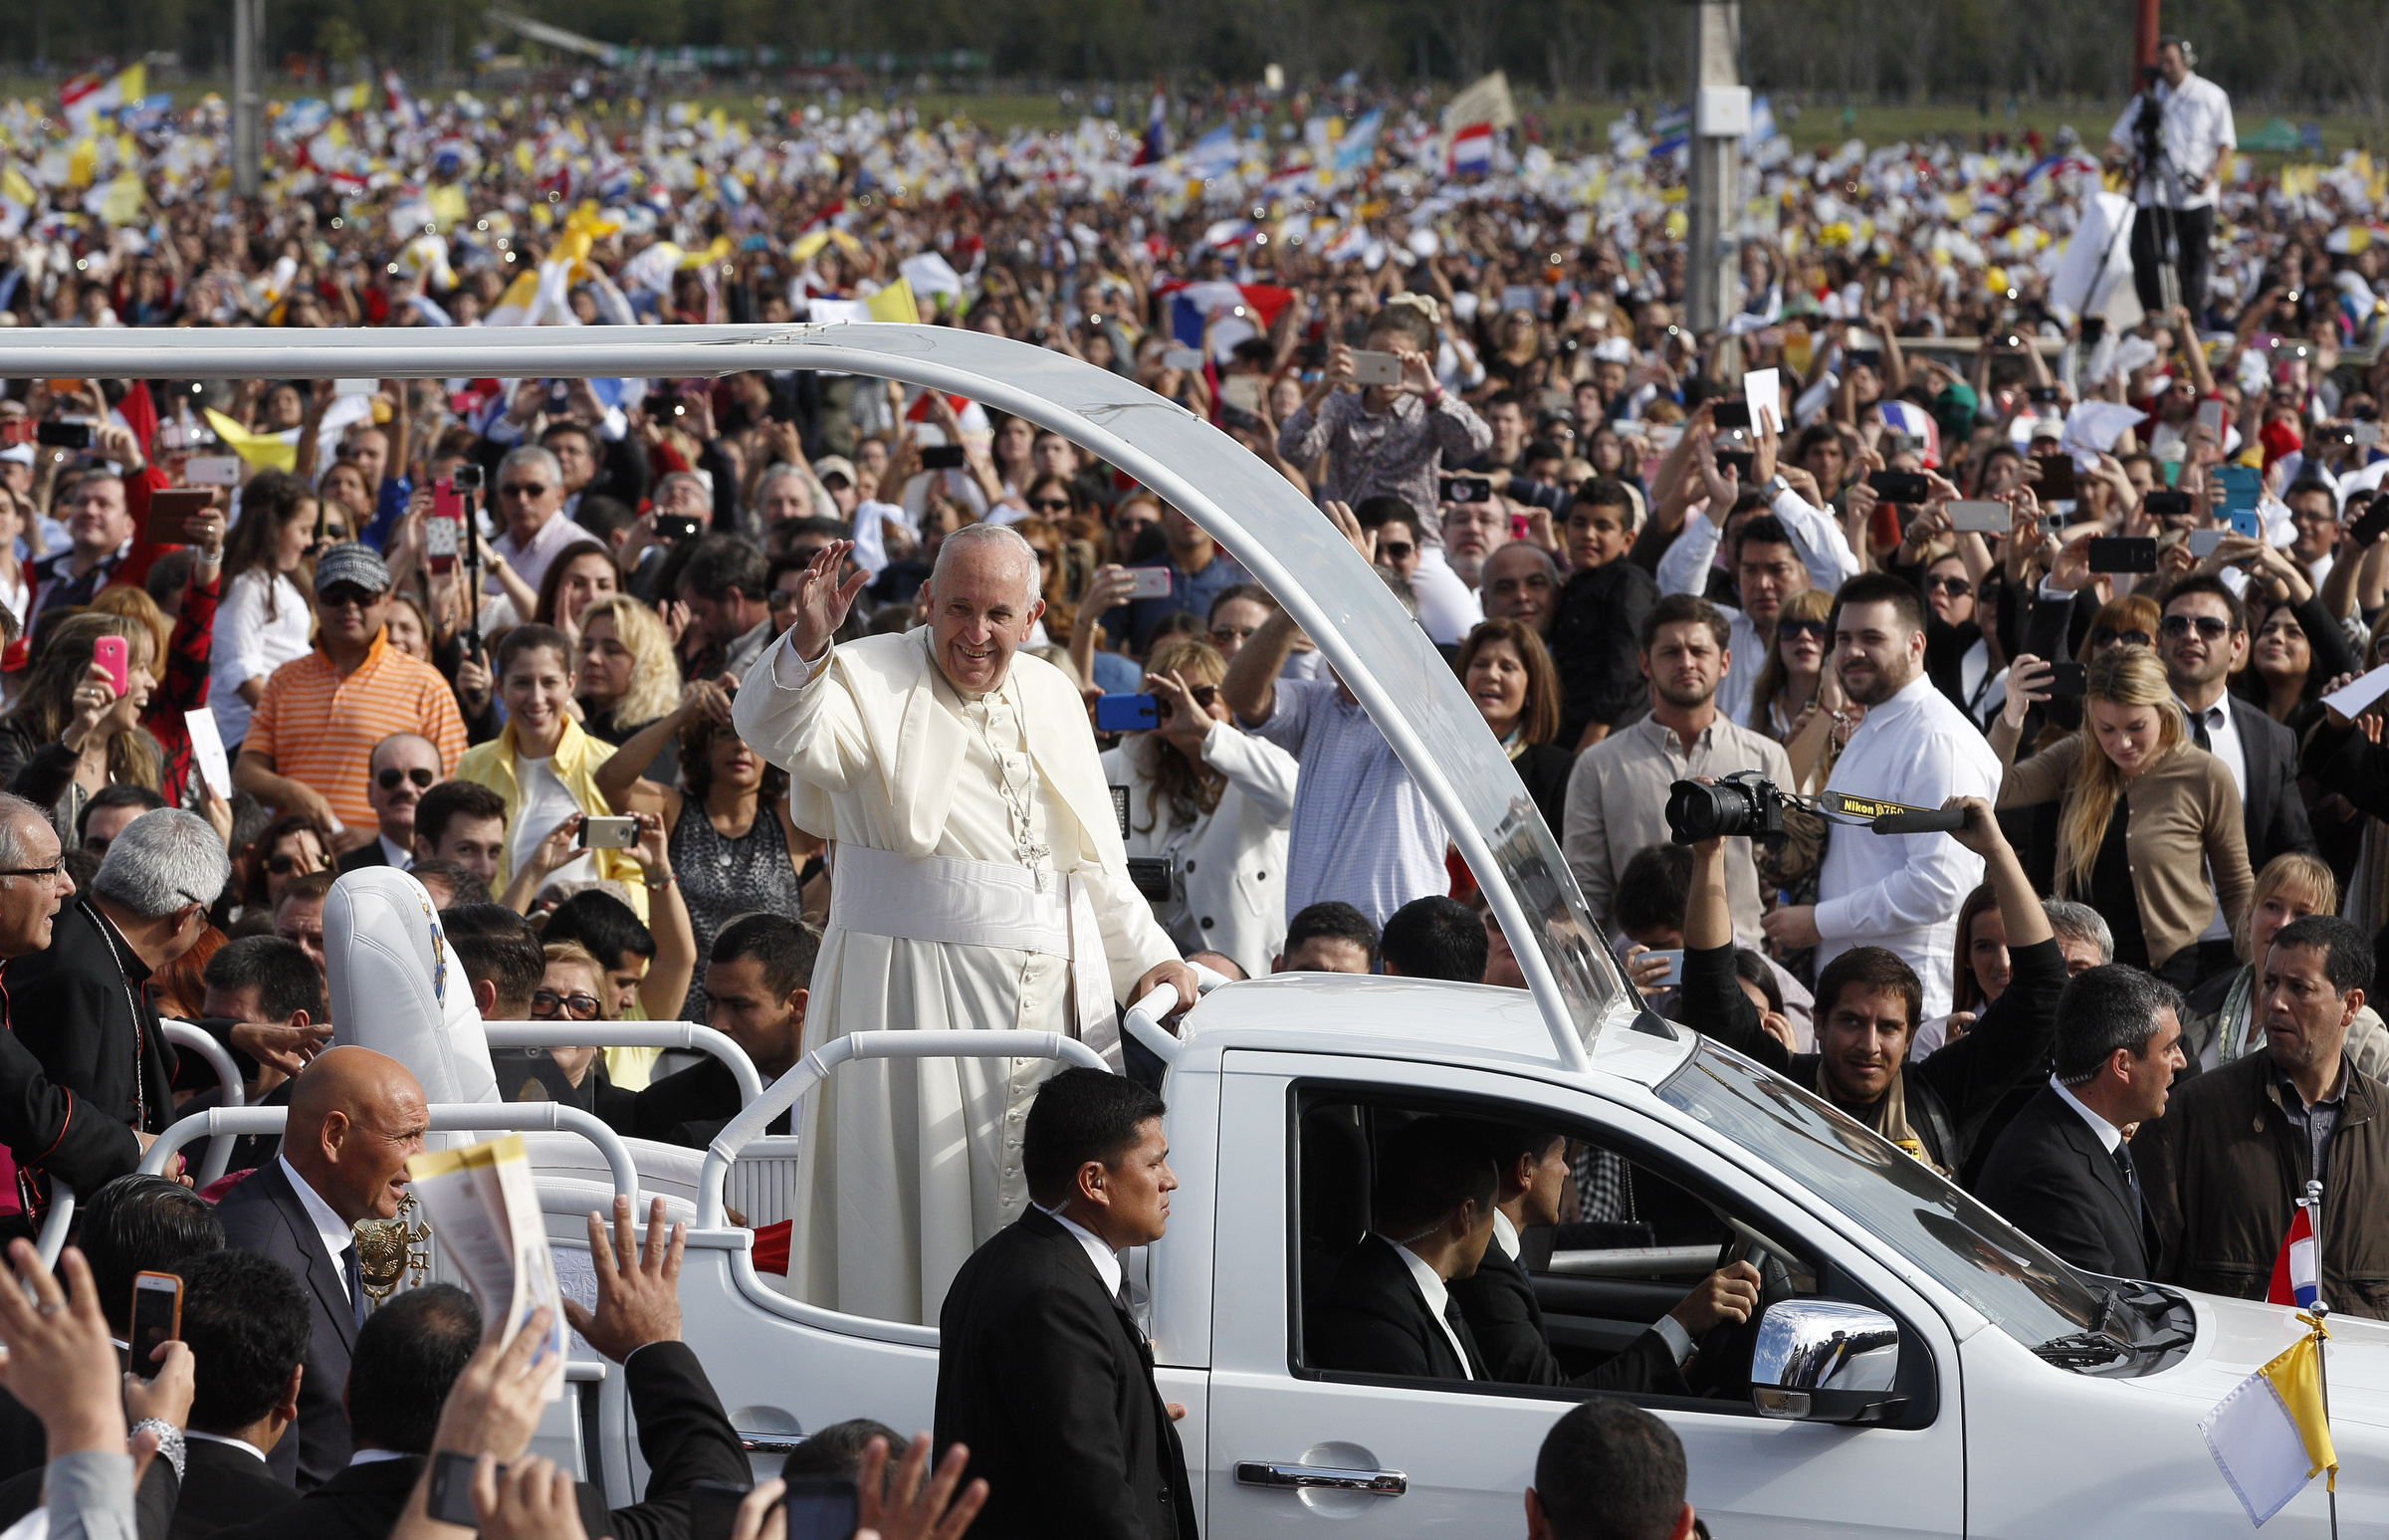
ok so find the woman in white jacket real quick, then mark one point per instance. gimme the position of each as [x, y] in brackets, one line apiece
[1217, 799]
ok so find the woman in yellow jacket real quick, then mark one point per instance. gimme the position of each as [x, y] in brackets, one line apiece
[545, 768]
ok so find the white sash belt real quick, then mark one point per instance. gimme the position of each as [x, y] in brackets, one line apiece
[947, 901]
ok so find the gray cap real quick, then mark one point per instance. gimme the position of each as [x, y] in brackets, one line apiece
[352, 561]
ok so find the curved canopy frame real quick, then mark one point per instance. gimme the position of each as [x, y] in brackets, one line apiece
[1407, 689]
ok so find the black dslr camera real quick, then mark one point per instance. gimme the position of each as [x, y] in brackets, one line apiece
[1745, 802]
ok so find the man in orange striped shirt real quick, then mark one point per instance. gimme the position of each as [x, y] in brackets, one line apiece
[310, 742]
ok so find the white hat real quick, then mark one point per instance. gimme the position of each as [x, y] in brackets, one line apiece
[18, 454]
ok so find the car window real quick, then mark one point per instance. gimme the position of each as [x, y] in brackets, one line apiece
[1976, 1254]
[1567, 1305]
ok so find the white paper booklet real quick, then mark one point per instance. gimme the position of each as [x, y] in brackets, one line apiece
[484, 1210]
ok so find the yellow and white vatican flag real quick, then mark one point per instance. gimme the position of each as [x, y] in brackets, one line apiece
[2272, 1433]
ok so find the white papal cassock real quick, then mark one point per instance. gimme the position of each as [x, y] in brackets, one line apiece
[974, 852]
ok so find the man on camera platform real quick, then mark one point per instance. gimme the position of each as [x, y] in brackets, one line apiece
[2177, 138]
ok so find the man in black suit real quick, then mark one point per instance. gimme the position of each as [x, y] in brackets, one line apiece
[355, 1117]
[2204, 640]
[1390, 1310]
[82, 1006]
[1504, 1317]
[1042, 1374]
[2063, 1172]
[400, 769]
[419, 1348]
[756, 983]
[249, 1320]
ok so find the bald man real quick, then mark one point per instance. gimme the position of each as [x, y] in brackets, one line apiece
[355, 1117]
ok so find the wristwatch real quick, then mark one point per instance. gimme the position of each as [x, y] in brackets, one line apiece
[1774, 487]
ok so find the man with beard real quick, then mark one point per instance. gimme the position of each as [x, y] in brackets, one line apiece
[1896, 891]
[1618, 792]
[1473, 532]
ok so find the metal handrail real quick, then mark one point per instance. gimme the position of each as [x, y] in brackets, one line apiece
[447, 1117]
[182, 1034]
[631, 1035]
[814, 1067]
[55, 1224]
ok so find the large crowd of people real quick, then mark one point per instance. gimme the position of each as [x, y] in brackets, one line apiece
[772, 702]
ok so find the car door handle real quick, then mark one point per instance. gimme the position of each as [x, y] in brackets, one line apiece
[1255, 1473]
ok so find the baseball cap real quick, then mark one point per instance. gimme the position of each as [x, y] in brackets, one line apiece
[352, 561]
[836, 465]
[18, 454]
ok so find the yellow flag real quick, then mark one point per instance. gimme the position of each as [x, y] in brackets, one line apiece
[14, 186]
[121, 202]
[448, 206]
[2297, 1377]
[895, 302]
[266, 451]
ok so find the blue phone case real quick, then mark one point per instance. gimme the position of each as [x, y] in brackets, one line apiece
[1125, 714]
[2242, 486]
[2244, 521]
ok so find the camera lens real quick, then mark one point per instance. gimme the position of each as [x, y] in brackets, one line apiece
[1696, 812]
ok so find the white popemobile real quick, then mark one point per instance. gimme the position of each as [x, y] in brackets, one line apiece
[1919, 1366]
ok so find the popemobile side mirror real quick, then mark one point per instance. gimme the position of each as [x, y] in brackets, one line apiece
[1824, 1361]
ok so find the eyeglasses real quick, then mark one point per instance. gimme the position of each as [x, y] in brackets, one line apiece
[522, 489]
[389, 779]
[284, 865]
[2108, 636]
[1813, 629]
[1955, 587]
[548, 1005]
[2211, 629]
[1050, 505]
[1395, 551]
[53, 871]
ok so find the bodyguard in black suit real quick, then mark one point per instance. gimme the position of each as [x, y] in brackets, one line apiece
[2061, 1172]
[1390, 1310]
[1043, 1372]
[251, 1319]
[2198, 663]
[355, 1116]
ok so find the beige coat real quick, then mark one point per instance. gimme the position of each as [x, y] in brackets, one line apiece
[2183, 819]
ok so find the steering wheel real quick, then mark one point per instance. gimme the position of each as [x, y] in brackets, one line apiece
[1722, 1369]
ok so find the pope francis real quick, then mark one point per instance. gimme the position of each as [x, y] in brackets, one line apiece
[976, 879]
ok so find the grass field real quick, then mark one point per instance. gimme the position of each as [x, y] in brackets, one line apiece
[1815, 123]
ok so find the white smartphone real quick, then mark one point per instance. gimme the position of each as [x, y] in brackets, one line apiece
[2366, 434]
[2210, 417]
[2202, 543]
[1148, 582]
[1182, 357]
[212, 470]
[1982, 516]
[1374, 369]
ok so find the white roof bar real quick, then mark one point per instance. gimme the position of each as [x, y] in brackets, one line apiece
[1379, 652]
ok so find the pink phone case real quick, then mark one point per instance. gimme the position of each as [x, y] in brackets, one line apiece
[108, 653]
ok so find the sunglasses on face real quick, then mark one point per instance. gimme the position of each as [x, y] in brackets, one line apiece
[342, 595]
[1232, 633]
[522, 489]
[284, 865]
[1202, 695]
[1050, 505]
[2108, 636]
[1955, 587]
[2211, 629]
[1395, 551]
[389, 779]
[548, 1005]
[1813, 629]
